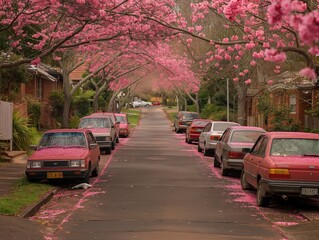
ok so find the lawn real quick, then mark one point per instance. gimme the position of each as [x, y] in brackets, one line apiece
[133, 116]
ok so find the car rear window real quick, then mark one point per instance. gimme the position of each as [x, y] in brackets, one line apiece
[63, 139]
[191, 115]
[245, 136]
[294, 146]
[200, 123]
[222, 126]
[94, 123]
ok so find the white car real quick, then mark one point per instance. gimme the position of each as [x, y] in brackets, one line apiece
[141, 104]
[210, 135]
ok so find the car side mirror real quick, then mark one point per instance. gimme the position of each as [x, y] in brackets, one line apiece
[93, 145]
[246, 150]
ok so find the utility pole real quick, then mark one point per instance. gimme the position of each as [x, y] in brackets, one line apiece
[227, 99]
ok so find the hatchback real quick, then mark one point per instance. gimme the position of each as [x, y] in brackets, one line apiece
[228, 154]
[64, 154]
[183, 120]
[284, 164]
[194, 129]
[210, 135]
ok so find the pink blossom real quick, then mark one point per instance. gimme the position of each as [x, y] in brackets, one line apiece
[248, 81]
[241, 74]
[235, 66]
[246, 71]
[36, 61]
[233, 8]
[235, 79]
[309, 73]
[252, 63]
[250, 45]
[198, 28]
[237, 58]
[278, 10]
[225, 40]
[189, 40]
[274, 56]
[270, 82]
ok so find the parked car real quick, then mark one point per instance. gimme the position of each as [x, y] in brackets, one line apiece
[116, 123]
[284, 164]
[156, 103]
[194, 129]
[124, 124]
[183, 120]
[103, 130]
[141, 103]
[228, 153]
[64, 154]
[210, 135]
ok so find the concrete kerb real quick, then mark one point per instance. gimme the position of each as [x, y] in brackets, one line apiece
[32, 210]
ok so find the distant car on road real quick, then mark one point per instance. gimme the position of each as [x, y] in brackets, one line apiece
[183, 120]
[194, 129]
[124, 124]
[64, 154]
[156, 103]
[141, 103]
[228, 153]
[210, 135]
[103, 130]
[284, 164]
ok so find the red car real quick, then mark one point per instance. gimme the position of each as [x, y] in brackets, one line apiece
[194, 129]
[284, 164]
[64, 154]
[124, 124]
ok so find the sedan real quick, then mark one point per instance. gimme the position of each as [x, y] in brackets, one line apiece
[183, 120]
[194, 129]
[209, 137]
[283, 164]
[64, 154]
[124, 124]
[228, 154]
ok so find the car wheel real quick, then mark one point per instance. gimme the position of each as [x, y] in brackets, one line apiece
[96, 170]
[86, 179]
[222, 167]
[206, 151]
[113, 145]
[243, 182]
[176, 130]
[216, 163]
[262, 201]
[117, 139]
[199, 148]
[108, 150]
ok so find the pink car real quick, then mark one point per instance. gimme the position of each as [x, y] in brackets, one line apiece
[64, 154]
[124, 124]
[284, 164]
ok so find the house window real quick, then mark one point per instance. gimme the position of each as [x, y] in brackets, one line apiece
[293, 103]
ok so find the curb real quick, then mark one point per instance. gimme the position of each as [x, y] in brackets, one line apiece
[31, 211]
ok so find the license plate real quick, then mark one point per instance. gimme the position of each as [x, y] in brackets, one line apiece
[309, 191]
[55, 175]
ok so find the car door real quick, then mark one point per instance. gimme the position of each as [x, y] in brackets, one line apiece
[94, 152]
[203, 135]
[221, 144]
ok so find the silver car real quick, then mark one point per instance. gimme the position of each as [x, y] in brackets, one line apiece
[209, 137]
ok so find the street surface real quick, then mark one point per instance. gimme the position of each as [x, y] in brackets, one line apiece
[155, 186]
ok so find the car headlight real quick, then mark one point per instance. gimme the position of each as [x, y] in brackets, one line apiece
[77, 163]
[34, 164]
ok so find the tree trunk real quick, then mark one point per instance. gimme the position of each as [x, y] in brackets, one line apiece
[177, 103]
[111, 107]
[66, 110]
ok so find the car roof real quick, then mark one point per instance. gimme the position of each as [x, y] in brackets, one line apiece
[97, 116]
[68, 130]
[292, 135]
[247, 128]
[120, 114]
[225, 122]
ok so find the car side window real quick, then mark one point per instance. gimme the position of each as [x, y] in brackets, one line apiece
[225, 136]
[90, 138]
[256, 147]
[207, 128]
[262, 147]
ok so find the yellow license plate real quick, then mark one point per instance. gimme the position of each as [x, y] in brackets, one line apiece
[55, 175]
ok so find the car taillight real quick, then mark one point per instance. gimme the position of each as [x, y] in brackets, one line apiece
[236, 155]
[216, 137]
[279, 173]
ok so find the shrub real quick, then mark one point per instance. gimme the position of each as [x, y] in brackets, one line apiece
[57, 103]
[34, 112]
[211, 111]
[22, 136]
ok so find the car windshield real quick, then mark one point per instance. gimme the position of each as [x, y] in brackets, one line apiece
[63, 139]
[245, 136]
[190, 115]
[94, 123]
[121, 119]
[294, 146]
[222, 126]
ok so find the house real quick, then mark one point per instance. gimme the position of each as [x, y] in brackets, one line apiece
[288, 91]
[45, 79]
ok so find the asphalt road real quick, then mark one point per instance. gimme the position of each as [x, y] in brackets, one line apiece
[156, 187]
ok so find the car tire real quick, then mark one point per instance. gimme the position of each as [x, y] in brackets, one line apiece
[108, 150]
[262, 200]
[199, 148]
[117, 139]
[216, 163]
[113, 144]
[96, 170]
[86, 179]
[206, 152]
[243, 182]
[224, 171]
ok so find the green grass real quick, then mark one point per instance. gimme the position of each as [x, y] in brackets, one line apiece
[23, 195]
[133, 116]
